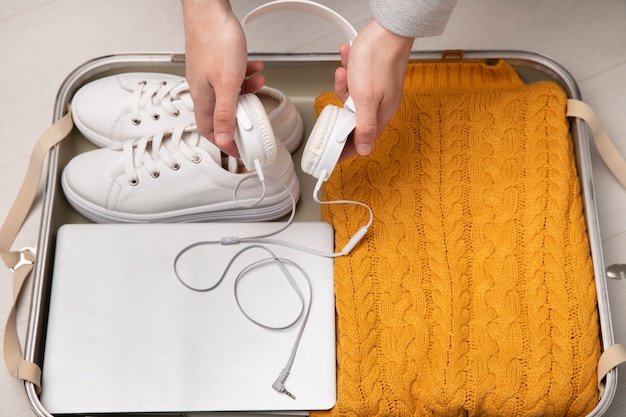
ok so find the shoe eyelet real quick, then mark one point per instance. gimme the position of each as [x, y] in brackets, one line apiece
[197, 159]
[156, 116]
[163, 83]
[176, 113]
[136, 122]
[176, 166]
[155, 174]
[133, 181]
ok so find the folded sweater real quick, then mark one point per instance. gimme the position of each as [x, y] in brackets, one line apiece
[473, 292]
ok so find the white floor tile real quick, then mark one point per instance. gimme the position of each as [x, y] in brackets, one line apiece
[10, 8]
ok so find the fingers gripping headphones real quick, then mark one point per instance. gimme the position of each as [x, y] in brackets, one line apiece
[330, 133]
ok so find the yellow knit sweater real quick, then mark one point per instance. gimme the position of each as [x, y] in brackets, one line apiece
[473, 293]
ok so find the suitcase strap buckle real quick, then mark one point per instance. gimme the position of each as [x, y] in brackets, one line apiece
[27, 257]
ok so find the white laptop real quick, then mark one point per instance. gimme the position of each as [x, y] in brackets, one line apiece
[125, 335]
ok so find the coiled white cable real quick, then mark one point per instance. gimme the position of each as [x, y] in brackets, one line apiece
[305, 305]
[256, 243]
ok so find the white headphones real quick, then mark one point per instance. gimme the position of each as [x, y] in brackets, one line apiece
[330, 133]
[327, 140]
[254, 135]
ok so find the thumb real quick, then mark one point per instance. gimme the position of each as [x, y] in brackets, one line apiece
[225, 122]
[365, 133]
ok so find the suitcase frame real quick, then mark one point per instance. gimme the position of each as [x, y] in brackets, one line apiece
[302, 77]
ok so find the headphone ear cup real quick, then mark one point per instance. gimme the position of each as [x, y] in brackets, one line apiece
[327, 140]
[254, 135]
[318, 139]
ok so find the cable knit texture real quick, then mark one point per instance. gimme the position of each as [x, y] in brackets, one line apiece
[473, 292]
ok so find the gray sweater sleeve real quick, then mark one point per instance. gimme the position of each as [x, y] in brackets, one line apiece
[413, 18]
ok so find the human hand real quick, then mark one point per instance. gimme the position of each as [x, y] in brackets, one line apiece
[217, 68]
[372, 73]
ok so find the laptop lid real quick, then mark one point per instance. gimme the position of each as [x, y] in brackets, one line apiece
[125, 335]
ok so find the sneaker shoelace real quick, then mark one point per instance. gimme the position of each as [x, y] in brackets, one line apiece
[145, 152]
[161, 94]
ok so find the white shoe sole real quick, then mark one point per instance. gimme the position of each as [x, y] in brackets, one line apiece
[270, 208]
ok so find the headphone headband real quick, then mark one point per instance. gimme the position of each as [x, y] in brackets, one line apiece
[305, 6]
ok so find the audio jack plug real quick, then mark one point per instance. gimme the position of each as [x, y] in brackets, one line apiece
[279, 384]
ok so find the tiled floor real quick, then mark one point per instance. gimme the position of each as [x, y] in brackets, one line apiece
[41, 41]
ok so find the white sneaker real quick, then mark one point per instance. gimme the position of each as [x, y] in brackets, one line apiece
[130, 106]
[176, 177]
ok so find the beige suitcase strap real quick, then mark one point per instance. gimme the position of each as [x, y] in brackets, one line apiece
[21, 262]
[606, 148]
[616, 354]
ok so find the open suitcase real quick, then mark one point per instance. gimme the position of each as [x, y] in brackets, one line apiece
[285, 72]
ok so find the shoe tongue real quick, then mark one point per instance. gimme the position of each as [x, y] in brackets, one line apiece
[211, 149]
[227, 162]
